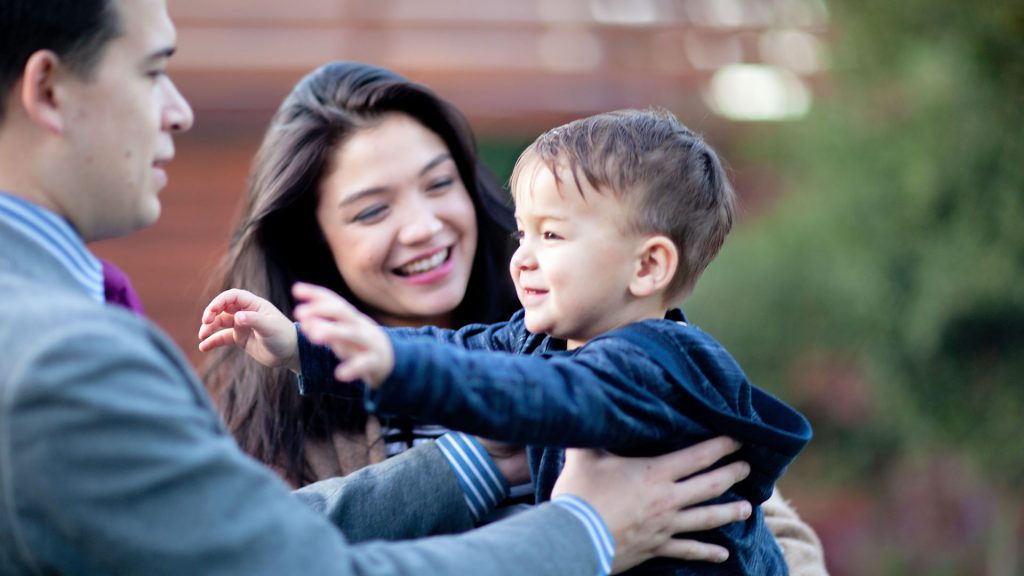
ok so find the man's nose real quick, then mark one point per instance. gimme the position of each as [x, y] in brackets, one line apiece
[177, 114]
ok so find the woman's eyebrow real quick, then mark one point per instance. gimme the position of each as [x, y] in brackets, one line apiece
[359, 195]
[443, 156]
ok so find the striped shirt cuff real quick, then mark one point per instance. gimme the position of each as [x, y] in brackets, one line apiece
[482, 483]
[600, 536]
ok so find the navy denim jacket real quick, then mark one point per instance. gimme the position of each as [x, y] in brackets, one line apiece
[644, 389]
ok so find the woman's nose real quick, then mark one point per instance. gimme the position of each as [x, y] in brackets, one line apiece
[420, 228]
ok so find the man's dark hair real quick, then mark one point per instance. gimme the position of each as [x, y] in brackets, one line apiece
[76, 31]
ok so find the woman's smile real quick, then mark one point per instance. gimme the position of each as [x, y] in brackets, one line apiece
[428, 269]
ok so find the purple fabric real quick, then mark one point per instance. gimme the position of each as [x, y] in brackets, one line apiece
[117, 289]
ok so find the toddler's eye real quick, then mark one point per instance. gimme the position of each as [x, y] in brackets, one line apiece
[517, 236]
[551, 236]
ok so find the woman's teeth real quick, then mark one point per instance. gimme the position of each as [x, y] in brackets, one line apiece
[425, 264]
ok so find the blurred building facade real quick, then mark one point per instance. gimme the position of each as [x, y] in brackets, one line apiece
[515, 67]
[725, 67]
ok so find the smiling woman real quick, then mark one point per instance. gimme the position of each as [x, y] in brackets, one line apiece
[399, 222]
[368, 184]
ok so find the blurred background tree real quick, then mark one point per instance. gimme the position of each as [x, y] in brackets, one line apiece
[884, 292]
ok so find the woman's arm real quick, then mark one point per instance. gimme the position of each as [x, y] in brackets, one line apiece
[800, 544]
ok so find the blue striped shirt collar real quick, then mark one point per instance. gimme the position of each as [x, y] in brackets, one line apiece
[58, 238]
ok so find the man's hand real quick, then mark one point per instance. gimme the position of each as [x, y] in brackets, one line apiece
[644, 502]
[240, 318]
[510, 460]
[360, 343]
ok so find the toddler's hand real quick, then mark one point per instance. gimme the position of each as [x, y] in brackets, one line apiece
[240, 318]
[360, 343]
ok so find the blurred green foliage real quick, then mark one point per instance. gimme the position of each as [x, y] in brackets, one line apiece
[896, 254]
[883, 291]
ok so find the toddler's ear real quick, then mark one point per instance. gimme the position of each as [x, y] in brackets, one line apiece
[656, 265]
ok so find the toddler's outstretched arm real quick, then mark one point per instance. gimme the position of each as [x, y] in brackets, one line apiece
[240, 318]
[356, 339]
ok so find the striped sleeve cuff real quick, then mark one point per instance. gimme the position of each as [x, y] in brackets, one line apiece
[600, 536]
[482, 483]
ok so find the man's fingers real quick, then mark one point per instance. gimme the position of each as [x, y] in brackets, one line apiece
[692, 550]
[704, 517]
[693, 459]
[711, 484]
[581, 456]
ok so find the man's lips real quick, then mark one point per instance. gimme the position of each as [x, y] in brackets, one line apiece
[160, 172]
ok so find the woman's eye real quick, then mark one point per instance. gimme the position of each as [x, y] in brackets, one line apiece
[439, 185]
[370, 214]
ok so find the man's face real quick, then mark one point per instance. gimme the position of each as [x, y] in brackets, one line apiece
[118, 127]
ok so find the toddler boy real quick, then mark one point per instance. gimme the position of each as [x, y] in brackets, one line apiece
[617, 215]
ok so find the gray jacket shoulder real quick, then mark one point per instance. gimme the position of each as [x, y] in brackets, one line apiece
[112, 461]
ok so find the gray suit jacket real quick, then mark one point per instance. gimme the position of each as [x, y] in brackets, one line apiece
[112, 461]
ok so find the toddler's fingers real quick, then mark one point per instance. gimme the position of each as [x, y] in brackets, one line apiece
[231, 300]
[215, 324]
[314, 328]
[358, 367]
[323, 302]
[222, 338]
[355, 336]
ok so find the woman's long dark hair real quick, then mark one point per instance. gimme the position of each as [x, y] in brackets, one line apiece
[279, 242]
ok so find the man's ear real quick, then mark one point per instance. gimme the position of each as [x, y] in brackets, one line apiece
[39, 91]
[656, 266]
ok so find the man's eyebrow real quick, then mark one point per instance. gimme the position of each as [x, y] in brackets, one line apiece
[162, 53]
